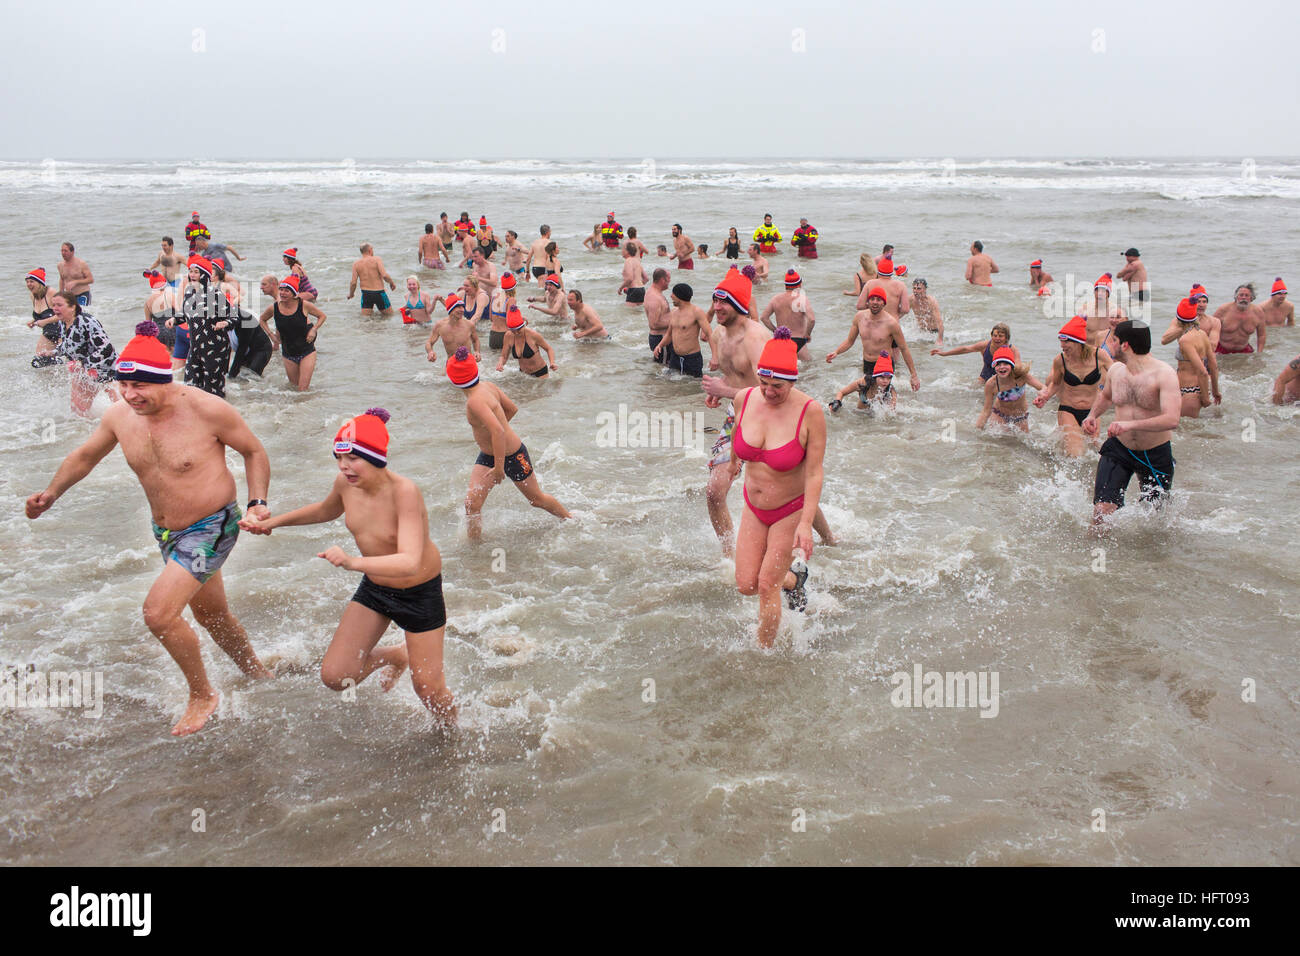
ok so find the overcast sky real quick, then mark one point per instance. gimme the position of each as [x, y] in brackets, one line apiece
[442, 79]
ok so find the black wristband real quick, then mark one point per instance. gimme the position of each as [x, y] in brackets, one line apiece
[257, 501]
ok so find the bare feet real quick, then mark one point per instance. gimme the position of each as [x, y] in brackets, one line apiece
[389, 673]
[444, 710]
[196, 715]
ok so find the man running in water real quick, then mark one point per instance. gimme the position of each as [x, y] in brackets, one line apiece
[690, 327]
[175, 438]
[515, 252]
[169, 263]
[791, 309]
[369, 271]
[501, 452]
[74, 275]
[880, 332]
[683, 247]
[1240, 319]
[980, 266]
[1277, 311]
[656, 313]
[586, 323]
[925, 308]
[634, 277]
[1144, 391]
[538, 258]
[446, 235]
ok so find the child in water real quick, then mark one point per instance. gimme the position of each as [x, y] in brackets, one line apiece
[880, 387]
[400, 564]
[1004, 393]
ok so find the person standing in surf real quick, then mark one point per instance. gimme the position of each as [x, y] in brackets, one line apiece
[401, 569]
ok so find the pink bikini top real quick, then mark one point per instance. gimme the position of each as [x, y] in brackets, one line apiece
[786, 458]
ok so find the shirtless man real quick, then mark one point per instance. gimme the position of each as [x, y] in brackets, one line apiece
[514, 253]
[897, 302]
[880, 332]
[980, 266]
[484, 271]
[468, 243]
[74, 275]
[925, 308]
[1144, 391]
[1101, 314]
[556, 305]
[538, 260]
[792, 309]
[586, 323]
[641, 248]
[1134, 273]
[1240, 319]
[430, 252]
[447, 236]
[1277, 310]
[656, 313]
[370, 272]
[175, 438]
[634, 277]
[454, 331]
[689, 327]
[1038, 277]
[759, 263]
[683, 247]
[501, 452]
[1286, 389]
[1210, 325]
[169, 263]
[735, 346]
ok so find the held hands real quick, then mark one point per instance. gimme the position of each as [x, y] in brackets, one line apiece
[1040, 401]
[337, 557]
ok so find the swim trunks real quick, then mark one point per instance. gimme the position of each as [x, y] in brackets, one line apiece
[416, 609]
[518, 466]
[539, 271]
[181, 348]
[542, 372]
[496, 340]
[636, 296]
[666, 356]
[1154, 467]
[83, 300]
[720, 453]
[686, 264]
[690, 364]
[1192, 390]
[1220, 350]
[433, 263]
[375, 300]
[202, 548]
[799, 341]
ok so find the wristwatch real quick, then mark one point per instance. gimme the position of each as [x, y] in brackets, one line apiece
[257, 501]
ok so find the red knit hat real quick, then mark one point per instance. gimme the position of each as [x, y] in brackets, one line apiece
[1198, 292]
[1103, 283]
[735, 289]
[462, 369]
[1004, 354]
[884, 366]
[156, 279]
[1036, 264]
[877, 293]
[515, 319]
[145, 359]
[1279, 287]
[291, 253]
[885, 266]
[793, 279]
[508, 282]
[900, 270]
[37, 274]
[780, 358]
[365, 436]
[553, 279]
[452, 301]
[291, 283]
[204, 265]
[482, 220]
[1076, 330]
[1186, 311]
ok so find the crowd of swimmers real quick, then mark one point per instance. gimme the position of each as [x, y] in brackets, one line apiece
[772, 433]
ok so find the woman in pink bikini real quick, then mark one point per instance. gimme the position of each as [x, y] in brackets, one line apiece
[783, 438]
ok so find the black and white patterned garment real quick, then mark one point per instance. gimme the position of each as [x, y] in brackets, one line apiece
[87, 342]
[209, 346]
